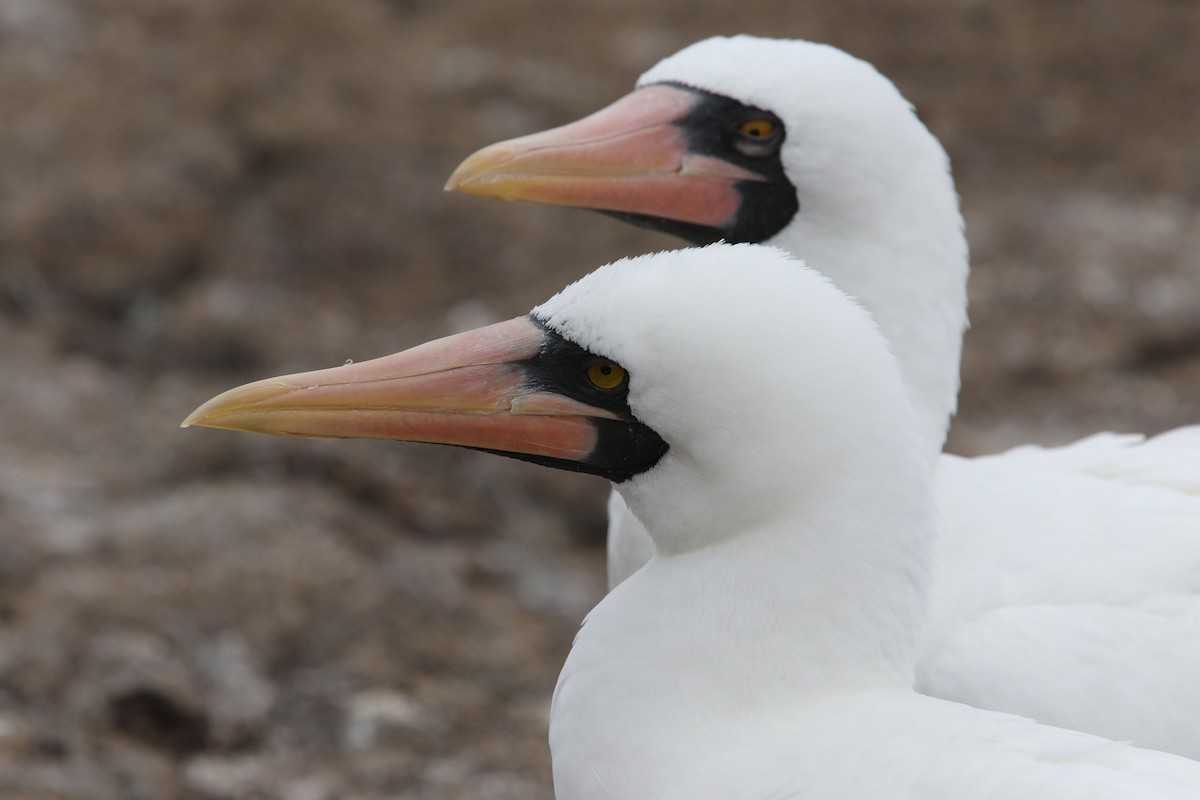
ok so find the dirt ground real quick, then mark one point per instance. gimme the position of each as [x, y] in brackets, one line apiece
[197, 194]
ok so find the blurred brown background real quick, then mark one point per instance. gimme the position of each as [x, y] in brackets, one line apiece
[196, 194]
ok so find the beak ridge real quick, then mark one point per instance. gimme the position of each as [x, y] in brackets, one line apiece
[469, 390]
[632, 157]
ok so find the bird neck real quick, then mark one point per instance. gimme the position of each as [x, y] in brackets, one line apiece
[895, 243]
[701, 649]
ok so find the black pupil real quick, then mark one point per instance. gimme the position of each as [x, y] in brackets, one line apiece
[606, 369]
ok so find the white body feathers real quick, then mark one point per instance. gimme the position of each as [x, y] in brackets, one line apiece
[766, 651]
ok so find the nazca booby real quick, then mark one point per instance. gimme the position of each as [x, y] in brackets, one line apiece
[1068, 579]
[766, 651]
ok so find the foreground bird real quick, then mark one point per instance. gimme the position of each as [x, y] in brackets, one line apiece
[1068, 579]
[766, 652]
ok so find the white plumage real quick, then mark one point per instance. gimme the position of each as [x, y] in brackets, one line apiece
[766, 651]
[1068, 579]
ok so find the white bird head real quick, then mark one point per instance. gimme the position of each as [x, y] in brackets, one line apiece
[716, 394]
[771, 388]
[726, 140]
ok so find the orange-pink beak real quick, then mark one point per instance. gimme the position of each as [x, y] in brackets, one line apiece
[468, 390]
[631, 157]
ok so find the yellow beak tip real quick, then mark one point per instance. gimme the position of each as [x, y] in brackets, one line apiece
[192, 419]
[467, 184]
[455, 182]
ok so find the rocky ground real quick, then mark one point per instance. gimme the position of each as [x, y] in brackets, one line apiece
[193, 195]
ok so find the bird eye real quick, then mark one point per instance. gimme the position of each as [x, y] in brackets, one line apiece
[606, 375]
[758, 137]
[757, 128]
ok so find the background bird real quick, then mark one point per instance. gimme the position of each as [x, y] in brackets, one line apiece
[802, 146]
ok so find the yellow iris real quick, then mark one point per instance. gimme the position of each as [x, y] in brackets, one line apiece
[757, 128]
[606, 375]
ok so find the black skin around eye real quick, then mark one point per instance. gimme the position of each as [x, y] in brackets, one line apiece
[712, 129]
[625, 446]
[561, 367]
